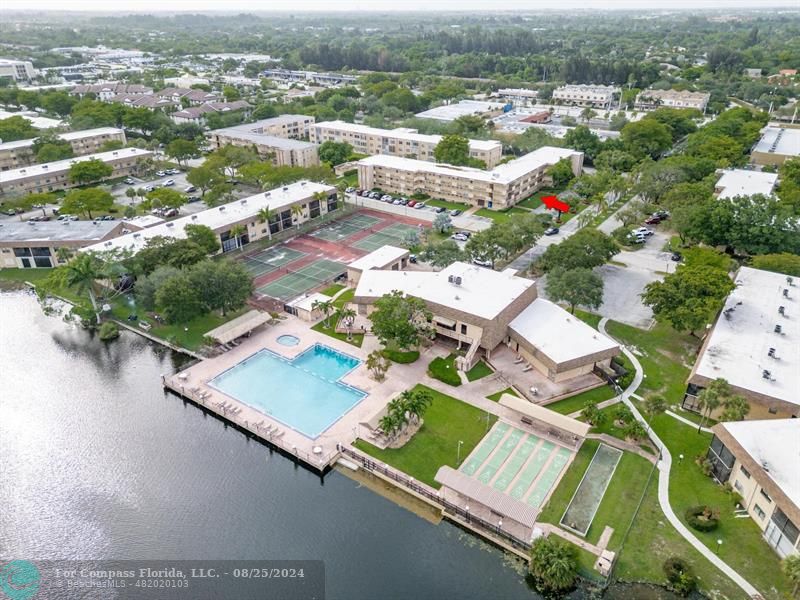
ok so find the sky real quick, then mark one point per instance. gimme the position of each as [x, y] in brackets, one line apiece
[380, 5]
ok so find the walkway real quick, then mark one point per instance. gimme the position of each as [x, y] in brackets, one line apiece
[664, 467]
[524, 260]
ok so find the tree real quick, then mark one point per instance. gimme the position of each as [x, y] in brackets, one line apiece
[583, 140]
[553, 564]
[561, 173]
[635, 431]
[415, 402]
[791, 567]
[130, 193]
[378, 364]
[48, 147]
[16, 128]
[453, 150]
[593, 415]
[297, 214]
[80, 274]
[654, 405]
[736, 408]
[178, 300]
[264, 110]
[587, 114]
[160, 250]
[442, 222]
[705, 256]
[442, 254]
[231, 93]
[236, 232]
[111, 145]
[788, 264]
[712, 397]
[646, 137]
[181, 150]
[166, 198]
[203, 236]
[38, 200]
[588, 248]
[483, 246]
[89, 171]
[689, 298]
[230, 158]
[576, 287]
[84, 201]
[223, 285]
[204, 178]
[400, 321]
[326, 308]
[633, 212]
[334, 153]
[146, 286]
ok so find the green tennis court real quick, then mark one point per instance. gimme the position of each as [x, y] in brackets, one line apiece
[393, 235]
[345, 228]
[297, 282]
[270, 259]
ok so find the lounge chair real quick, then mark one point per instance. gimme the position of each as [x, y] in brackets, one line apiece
[518, 360]
[527, 368]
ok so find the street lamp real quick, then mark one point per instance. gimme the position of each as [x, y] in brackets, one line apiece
[680, 458]
[458, 453]
[499, 525]
[719, 545]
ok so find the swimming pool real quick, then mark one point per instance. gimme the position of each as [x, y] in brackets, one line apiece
[288, 340]
[304, 393]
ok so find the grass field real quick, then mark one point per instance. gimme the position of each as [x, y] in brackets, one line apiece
[446, 422]
[578, 401]
[37, 276]
[445, 204]
[480, 370]
[496, 396]
[401, 357]
[535, 201]
[333, 289]
[561, 496]
[444, 369]
[500, 216]
[356, 339]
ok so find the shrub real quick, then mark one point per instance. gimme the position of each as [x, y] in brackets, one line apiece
[702, 518]
[444, 370]
[400, 357]
[620, 234]
[108, 331]
[679, 576]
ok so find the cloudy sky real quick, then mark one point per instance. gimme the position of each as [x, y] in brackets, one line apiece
[379, 5]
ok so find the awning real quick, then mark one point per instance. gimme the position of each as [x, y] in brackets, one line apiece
[545, 415]
[444, 322]
[237, 327]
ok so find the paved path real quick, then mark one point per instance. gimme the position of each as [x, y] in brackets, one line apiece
[524, 260]
[687, 421]
[664, 466]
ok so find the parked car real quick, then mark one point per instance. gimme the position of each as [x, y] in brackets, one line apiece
[129, 180]
[106, 218]
[412, 203]
[161, 173]
[637, 238]
[440, 209]
[459, 237]
[169, 182]
[172, 212]
[482, 263]
[419, 205]
[551, 231]
[455, 212]
[654, 220]
[642, 231]
[149, 188]
[466, 233]
[412, 258]
[397, 202]
[404, 201]
[172, 171]
[189, 189]
[193, 199]
[676, 257]
[662, 214]
[10, 212]
[350, 190]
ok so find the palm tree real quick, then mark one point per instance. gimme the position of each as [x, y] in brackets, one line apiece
[587, 114]
[553, 564]
[236, 232]
[347, 315]
[325, 307]
[416, 403]
[791, 566]
[80, 274]
[711, 398]
[297, 212]
[654, 405]
[264, 215]
[736, 409]
[378, 364]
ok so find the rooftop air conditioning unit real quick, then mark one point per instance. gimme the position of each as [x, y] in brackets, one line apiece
[221, 209]
[782, 311]
[785, 292]
[194, 217]
[450, 278]
[771, 353]
[286, 189]
[31, 223]
[108, 243]
[778, 329]
[244, 201]
[266, 194]
[136, 235]
[458, 280]
[765, 374]
[170, 224]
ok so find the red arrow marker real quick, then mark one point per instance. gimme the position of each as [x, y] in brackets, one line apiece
[554, 202]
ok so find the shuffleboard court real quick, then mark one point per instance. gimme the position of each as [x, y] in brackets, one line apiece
[297, 282]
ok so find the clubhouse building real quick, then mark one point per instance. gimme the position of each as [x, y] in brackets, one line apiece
[498, 188]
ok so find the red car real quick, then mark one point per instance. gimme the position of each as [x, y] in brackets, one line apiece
[653, 221]
[412, 203]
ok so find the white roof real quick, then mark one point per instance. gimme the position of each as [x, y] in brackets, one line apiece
[307, 302]
[55, 231]
[219, 217]
[68, 136]
[450, 112]
[738, 347]
[558, 334]
[741, 182]
[784, 139]
[59, 166]
[503, 174]
[402, 133]
[36, 121]
[482, 292]
[775, 445]
[143, 221]
[377, 259]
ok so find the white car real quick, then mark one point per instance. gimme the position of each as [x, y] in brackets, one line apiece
[169, 182]
[161, 173]
[642, 231]
[482, 263]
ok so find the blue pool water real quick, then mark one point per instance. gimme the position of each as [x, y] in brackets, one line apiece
[304, 393]
[288, 340]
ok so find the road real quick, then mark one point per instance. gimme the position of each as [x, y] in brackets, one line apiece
[524, 260]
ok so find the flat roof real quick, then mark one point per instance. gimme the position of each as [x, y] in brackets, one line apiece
[738, 345]
[64, 165]
[377, 259]
[741, 182]
[558, 334]
[775, 445]
[404, 134]
[483, 292]
[218, 217]
[68, 136]
[250, 133]
[784, 139]
[306, 302]
[503, 174]
[37, 121]
[450, 112]
[55, 231]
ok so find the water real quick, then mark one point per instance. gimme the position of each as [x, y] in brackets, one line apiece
[304, 394]
[288, 340]
[97, 461]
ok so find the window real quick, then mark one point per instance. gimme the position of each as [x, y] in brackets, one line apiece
[738, 487]
[744, 471]
[759, 513]
[766, 495]
[463, 329]
[773, 410]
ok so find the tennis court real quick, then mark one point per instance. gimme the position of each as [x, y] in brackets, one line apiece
[270, 259]
[297, 282]
[345, 228]
[393, 235]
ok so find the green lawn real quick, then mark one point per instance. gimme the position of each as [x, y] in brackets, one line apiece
[500, 216]
[535, 201]
[496, 396]
[446, 422]
[36, 277]
[588, 318]
[448, 205]
[356, 339]
[333, 289]
[400, 357]
[481, 369]
[561, 496]
[444, 369]
[578, 401]
[344, 298]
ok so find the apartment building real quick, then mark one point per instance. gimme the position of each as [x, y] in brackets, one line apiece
[517, 96]
[408, 143]
[276, 139]
[53, 176]
[760, 460]
[14, 155]
[498, 188]
[199, 114]
[32, 245]
[650, 99]
[754, 347]
[315, 199]
[107, 91]
[18, 70]
[595, 96]
[776, 146]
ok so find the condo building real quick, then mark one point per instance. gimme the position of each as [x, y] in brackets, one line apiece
[596, 96]
[20, 152]
[279, 139]
[650, 99]
[403, 142]
[498, 188]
